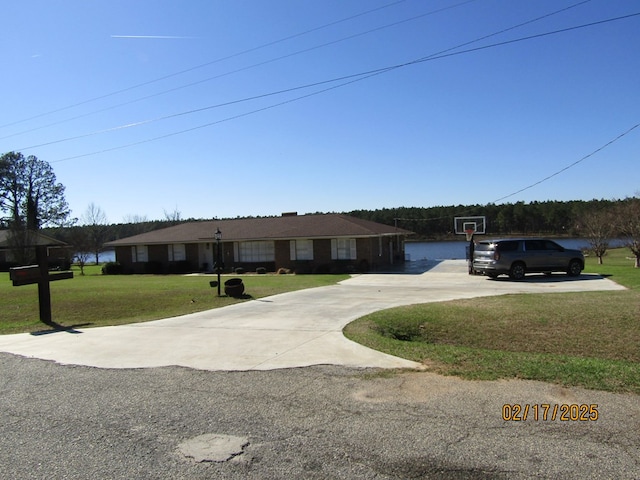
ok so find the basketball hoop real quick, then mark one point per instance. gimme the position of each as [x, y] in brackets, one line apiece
[469, 226]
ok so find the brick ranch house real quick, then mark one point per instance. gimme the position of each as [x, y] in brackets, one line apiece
[324, 243]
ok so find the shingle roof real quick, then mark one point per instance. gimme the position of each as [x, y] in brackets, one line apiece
[271, 228]
[35, 239]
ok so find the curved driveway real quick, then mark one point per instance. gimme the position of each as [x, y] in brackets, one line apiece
[288, 330]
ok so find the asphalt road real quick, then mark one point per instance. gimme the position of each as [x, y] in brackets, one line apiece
[322, 422]
[63, 418]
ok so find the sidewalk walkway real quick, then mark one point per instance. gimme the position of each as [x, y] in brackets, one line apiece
[293, 329]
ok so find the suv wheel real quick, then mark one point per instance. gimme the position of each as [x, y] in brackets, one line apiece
[575, 267]
[517, 271]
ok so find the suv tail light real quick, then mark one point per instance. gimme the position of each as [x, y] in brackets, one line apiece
[496, 255]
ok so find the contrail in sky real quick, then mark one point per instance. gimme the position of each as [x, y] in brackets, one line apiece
[150, 36]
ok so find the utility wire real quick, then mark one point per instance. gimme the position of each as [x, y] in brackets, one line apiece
[228, 119]
[392, 68]
[350, 79]
[597, 150]
[249, 67]
[243, 52]
[364, 75]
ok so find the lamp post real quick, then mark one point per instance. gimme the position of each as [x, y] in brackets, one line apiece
[219, 266]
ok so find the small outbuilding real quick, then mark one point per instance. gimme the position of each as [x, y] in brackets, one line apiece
[18, 248]
[319, 243]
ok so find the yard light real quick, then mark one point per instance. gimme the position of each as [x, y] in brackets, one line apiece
[218, 266]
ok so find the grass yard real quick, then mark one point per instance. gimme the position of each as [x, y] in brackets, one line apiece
[582, 339]
[100, 300]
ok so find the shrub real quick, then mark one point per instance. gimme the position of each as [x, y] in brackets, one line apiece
[153, 267]
[112, 268]
[261, 270]
[321, 269]
[182, 266]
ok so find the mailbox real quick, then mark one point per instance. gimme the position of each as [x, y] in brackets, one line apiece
[25, 275]
[32, 274]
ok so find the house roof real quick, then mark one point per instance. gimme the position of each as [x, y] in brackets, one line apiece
[270, 228]
[36, 239]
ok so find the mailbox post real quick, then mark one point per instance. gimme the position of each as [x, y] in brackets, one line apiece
[44, 292]
[39, 274]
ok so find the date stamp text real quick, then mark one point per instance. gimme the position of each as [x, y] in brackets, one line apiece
[547, 412]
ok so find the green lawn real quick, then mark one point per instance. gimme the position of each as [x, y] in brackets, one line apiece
[585, 339]
[100, 300]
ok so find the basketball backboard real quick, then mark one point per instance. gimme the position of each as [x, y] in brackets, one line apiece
[470, 225]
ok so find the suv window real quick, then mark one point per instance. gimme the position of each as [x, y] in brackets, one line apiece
[484, 247]
[549, 245]
[534, 245]
[507, 246]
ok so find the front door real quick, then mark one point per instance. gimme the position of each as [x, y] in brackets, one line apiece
[205, 255]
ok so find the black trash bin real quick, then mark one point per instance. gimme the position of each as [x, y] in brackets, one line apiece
[234, 287]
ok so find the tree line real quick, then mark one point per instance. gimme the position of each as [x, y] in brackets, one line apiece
[31, 199]
[598, 221]
[550, 218]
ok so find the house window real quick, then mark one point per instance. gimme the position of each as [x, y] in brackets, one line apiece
[139, 253]
[301, 249]
[261, 251]
[343, 249]
[177, 252]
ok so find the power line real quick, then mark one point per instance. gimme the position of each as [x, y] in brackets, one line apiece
[243, 69]
[570, 165]
[350, 79]
[228, 57]
[609, 143]
[362, 76]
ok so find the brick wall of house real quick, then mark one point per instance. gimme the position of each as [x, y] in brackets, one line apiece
[123, 257]
[369, 258]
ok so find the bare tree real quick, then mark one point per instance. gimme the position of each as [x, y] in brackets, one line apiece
[598, 228]
[138, 223]
[81, 239]
[135, 218]
[174, 217]
[629, 224]
[97, 225]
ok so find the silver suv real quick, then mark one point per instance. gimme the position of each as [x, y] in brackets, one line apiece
[518, 256]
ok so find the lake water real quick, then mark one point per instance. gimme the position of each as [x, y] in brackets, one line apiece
[417, 251]
[103, 257]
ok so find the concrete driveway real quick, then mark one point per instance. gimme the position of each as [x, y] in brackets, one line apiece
[294, 329]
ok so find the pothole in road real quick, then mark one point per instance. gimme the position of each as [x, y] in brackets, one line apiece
[213, 447]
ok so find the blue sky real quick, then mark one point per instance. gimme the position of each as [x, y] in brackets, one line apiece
[206, 107]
